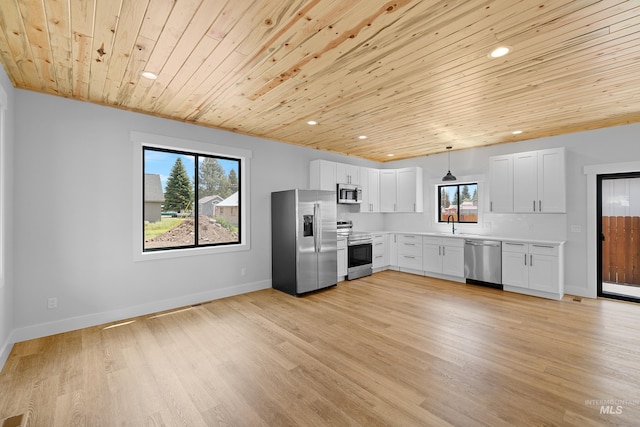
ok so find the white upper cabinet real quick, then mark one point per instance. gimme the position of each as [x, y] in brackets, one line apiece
[501, 183]
[539, 182]
[552, 191]
[347, 174]
[409, 194]
[370, 182]
[388, 180]
[401, 190]
[322, 175]
[529, 182]
[383, 190]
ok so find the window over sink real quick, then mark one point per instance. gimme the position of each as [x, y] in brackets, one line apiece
[458, 202]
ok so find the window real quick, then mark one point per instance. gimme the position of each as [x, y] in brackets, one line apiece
[190, 198]
[458, 202]
[177, 188]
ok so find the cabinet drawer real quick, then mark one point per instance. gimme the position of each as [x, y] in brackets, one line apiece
[543, 249]
[378, 248]
[410, 261]
[378, 238]
[410, 248]
[428, 240]
[409, 238]
[521, 248]
[453, 241]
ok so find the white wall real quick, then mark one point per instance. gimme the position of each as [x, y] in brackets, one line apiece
[73, 201]
[6, 180]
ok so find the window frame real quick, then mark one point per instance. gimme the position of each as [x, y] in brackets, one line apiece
[439, 186]
[172, 144]
[3, 178]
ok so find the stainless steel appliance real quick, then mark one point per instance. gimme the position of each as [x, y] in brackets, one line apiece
[349, 193]
[483, 262]
[303, 240]
[359, 251]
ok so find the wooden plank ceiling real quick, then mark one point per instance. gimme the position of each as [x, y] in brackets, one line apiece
[413, 76]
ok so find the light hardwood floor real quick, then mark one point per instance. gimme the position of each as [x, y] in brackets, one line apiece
[391, 349]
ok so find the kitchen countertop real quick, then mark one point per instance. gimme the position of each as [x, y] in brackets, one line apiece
[474, 237]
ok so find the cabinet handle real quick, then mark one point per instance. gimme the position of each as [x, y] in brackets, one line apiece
[534, 205]
[410, 237]
[490, 206]
[542, 246]
[530, 260]
[525, 259]
[439, 249]
[443, 253]
[539, 205]
[514, 244]
[409, 244]
[410, 257]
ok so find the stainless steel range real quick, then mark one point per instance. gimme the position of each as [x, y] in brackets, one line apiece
[359, 249]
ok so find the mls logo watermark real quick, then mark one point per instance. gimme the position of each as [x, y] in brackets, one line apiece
[612, 406]
[610, 409]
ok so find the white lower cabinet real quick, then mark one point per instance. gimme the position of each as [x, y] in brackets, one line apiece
[380, 257]
[410, 251]
[534, 269]
[342, 258]
[443, 255]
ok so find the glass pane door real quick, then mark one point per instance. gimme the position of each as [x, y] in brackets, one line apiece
[619, 226]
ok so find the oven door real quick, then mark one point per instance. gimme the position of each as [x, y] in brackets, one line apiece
[360, 260]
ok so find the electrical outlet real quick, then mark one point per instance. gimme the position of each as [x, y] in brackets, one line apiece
[52, 303]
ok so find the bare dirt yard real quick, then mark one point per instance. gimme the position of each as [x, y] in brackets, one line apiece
[209, 231]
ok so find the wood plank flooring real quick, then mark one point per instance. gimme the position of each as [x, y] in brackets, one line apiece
[391, 349]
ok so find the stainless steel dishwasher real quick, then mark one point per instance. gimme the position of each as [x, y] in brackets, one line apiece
[483, 261]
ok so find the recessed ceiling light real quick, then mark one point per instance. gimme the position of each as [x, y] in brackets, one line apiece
[312, 123]
[149, 75]
[500, 51]
[516, 132]
[389, 155]
[362, 137]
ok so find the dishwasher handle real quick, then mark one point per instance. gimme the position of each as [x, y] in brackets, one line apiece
[476, 243]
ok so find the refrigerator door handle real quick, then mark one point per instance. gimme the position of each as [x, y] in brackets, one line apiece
[319, 228]
[316, 227]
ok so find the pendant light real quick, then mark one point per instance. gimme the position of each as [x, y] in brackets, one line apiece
[448, 176]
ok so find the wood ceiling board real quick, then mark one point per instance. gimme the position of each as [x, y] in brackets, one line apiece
[412, 75]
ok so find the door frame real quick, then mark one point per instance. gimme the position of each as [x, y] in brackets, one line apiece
[599, 179]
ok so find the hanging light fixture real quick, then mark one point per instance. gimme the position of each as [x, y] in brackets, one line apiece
[448, 176]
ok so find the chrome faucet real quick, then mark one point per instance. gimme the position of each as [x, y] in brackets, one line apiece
[453, 224]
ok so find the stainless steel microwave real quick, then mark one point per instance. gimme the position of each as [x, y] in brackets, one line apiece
[349, 193]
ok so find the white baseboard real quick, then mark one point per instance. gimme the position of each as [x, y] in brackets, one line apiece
[5, 350]
[74, 323]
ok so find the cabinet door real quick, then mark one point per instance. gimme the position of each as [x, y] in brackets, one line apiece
[370, 182]
[543, 273]
[525, 182]
[551, 181]
[409, 190]
[322, 175]
[379, 251]
[342, 262]
[501, 183]
[453, 261]
[515, 269]
[347, 174]
[393, 249]
[387, 191]
[432, 258]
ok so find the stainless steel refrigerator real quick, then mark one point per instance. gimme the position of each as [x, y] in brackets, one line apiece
[303, 240]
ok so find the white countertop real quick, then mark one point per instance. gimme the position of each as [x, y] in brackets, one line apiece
[475, 237]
